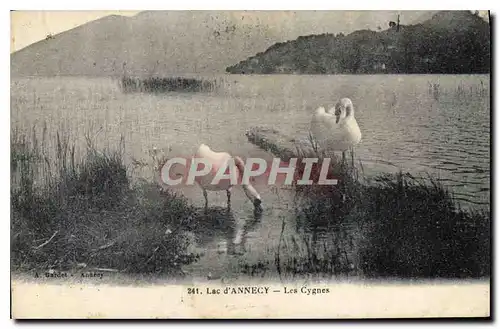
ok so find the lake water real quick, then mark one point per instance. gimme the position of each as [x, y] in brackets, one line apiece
[424, 124]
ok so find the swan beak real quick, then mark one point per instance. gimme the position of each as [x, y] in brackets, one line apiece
[337, 115]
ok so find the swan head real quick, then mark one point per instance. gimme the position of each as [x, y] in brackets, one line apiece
[343, 109]
[345, 102]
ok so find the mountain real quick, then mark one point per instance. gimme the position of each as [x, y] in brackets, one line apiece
[149, 42]
[164, 42]
[448, 42]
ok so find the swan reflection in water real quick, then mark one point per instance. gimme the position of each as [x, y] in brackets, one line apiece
[219, 223]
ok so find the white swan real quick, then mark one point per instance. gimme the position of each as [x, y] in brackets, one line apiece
[336, 129]
[218, 160]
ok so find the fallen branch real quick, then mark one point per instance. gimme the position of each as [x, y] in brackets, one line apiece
[152, 255]
[105, 269]
[273, 141]
[46, 242]
[112, 243]
[283, 145]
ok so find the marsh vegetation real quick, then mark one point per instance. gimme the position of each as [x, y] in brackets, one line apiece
[166, 84]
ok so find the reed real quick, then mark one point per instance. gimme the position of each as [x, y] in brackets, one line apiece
[461, 92]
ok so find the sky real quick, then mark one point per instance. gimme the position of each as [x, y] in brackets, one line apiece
[28, 27]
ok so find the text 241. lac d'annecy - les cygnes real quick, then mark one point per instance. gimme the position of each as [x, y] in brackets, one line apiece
[256, 290]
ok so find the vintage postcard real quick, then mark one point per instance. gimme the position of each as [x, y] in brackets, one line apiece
[250, 164]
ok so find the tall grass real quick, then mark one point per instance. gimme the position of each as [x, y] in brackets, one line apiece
[416, 230]
[396, 226]
[75, 212]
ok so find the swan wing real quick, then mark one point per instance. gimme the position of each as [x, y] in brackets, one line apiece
[320, 110]
[353, 131]
[204, 151]
[323, 125]
[333, 136]
[321, 117]
[217, 160]
[345, 136]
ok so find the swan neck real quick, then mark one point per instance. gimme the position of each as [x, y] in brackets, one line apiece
[249, 190]
[349, 111]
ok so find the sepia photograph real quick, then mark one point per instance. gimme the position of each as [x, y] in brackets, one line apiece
[260, 164]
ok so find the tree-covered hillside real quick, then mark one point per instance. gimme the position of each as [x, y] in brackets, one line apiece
[450, 42]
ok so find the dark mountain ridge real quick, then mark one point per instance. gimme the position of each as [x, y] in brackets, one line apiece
[449, 42]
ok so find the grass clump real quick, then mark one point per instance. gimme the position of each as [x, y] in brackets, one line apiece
[416, 230]
[73, 213]
[392, 226]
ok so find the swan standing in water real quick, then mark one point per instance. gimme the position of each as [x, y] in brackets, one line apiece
[218, 160]
[336, 129]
